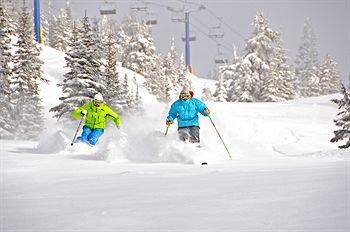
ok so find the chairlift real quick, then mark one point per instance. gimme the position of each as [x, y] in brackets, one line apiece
[177, 17]
[216, 31]
[192, 37]
[138, 6]
[151, 19]
[108, 8]
[220, 58]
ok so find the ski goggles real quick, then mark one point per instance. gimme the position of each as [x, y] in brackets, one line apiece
[97, 102]
[185, 96]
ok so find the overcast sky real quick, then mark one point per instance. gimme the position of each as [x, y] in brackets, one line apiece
[329, 18]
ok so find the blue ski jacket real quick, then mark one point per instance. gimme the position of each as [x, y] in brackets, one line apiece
[186, 112]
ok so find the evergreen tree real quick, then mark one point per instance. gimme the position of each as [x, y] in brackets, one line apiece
[171, 68]
[137, 99]
[45, 30]
[115, 95]
[7, 29]
[220, 93]
[206, 94]
[262, 74]
[24, 84]
[343, 119]
[63, 29]
[158, 83]
[96, 34]
[122, 40]
[83, 80]
[225, 77]
[281, 84]
[306, 63]
[127, 92]
[139, 54]
[329, 77]
[183, 77]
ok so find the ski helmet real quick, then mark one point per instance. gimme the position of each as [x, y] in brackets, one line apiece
[98, 97]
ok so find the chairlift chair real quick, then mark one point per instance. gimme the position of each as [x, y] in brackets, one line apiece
[220, 58]
[108, 9]
[177, 17]
[192, 37]
[151, 19]
[138, 6]
[216, 32]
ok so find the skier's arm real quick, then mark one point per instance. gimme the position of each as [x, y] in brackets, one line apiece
[77, 113]
[172, 113]
[201, 107]
[111, 115]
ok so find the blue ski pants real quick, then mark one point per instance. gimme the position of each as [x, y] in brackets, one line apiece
[89, 135]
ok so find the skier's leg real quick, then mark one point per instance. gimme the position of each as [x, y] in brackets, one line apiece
[184, 133]
[194, 134]
[85, 134]
[95, 135]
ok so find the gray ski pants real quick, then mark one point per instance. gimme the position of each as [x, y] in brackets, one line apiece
[190, 133]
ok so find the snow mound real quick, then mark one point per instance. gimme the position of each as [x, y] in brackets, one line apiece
[52, 143]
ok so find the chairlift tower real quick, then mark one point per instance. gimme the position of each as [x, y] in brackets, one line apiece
[37, 23]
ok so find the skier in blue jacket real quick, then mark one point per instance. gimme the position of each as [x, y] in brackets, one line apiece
[185, 110]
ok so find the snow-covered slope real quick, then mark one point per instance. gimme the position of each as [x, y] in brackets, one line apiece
[284, 176]
[251, 130]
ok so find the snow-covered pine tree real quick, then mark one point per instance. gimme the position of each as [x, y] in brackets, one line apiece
[260, 50]
[7, 29]
[183, 75]
[206, 94]
[343, 119]
[24, 84]
[63, 30]
[158, 83]
[71, 83]
[281, 84]
[53, 30]
[171, 68]
[225, 78]
[137, 105]
[306, 63]
[128, 96]
[45, 29]
[115, 95]
[329, 77]
[96, 33]
[122, 40]
[220, 93]
[83, 80]
[139, 54]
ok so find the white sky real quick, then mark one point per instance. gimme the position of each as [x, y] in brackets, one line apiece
[330, 20]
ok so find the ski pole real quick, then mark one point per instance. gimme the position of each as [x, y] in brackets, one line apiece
[166, 131]
[220, 137]
[81, 120]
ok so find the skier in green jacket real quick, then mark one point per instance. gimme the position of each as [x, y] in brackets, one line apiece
[97, 113]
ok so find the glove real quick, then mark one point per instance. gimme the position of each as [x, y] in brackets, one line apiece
[84, 112]
[118, 121]
[168, 122]
[206, 111]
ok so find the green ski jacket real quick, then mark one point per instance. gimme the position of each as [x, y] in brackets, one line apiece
[96, 117]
